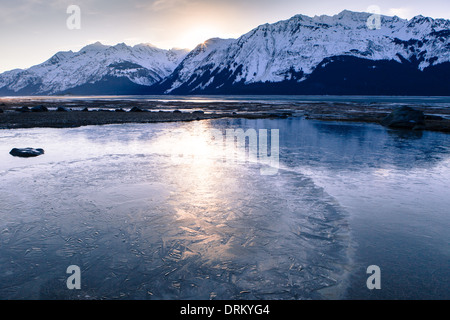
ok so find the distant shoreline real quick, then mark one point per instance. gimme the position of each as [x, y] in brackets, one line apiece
[117, 111]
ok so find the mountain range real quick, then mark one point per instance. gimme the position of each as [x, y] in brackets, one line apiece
[302, 55]
[95, 69]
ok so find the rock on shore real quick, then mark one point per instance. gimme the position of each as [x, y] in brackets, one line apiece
[39, 109]
[26, 152]
[136, 109]
[405, 118]
[62, 109]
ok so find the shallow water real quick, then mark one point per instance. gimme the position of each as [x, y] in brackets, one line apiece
[394, 186]
[440, 101]
[142, 222]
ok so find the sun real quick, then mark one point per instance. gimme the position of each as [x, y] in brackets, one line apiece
[197, 35]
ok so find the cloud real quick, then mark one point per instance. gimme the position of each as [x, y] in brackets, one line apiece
[404, 12]
[161, 5]
[13, 11]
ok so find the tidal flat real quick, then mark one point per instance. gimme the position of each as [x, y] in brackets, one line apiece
[152, 210]
[82, 111]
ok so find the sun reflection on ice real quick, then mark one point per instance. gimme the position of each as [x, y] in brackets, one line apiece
[203, 185]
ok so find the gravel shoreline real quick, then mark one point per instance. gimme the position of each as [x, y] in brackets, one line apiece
[101, 112]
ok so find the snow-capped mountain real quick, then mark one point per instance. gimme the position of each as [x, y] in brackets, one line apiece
[336, 54]
[321, 55]
[96, 68]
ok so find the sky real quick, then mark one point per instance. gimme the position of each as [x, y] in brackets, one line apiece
[31, 31]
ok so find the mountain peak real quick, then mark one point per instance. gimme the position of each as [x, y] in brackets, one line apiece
[346, 12]
[121, 45]
[95, 47]
[145, 45]
[352, 15]
[421, 18]
[212, 41]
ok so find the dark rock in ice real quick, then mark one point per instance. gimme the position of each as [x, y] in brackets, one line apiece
[280, 115]
[120, 110]
[24, 109]
[62, 109]
[136, 109]
[85, 109]
[39, 109]
[177, 111]
[26, 152]
[198, 112]
[405, 118]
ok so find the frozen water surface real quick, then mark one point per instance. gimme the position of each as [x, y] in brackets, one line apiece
[144, 222]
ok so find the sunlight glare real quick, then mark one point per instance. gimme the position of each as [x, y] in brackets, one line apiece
[197, 35]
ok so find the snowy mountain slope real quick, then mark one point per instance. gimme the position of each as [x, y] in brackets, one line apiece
[142, 65]
[302, 55]
[292, 50]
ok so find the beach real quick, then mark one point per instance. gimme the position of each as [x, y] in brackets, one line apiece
[116, 111]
